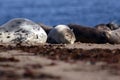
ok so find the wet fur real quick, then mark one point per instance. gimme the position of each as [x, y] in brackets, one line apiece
[87, 34]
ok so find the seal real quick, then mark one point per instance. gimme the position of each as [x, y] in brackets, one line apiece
[61, 34]
[112, 32]
[112, 25]
[102, 27]
[45, 27]
[88, 34]
[22, 30]
[107, 27]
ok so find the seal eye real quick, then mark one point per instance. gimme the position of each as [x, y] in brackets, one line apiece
[67, 35]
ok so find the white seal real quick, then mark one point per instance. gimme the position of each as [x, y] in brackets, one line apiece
[61, 34]
[20, 30]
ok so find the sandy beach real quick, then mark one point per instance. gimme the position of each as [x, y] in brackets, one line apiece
[79, 61]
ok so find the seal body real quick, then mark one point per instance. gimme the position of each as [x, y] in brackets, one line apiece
[61, 34]
[20, 30]
[88, 34]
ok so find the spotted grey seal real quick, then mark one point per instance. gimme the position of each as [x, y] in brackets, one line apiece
[61, 34]
[88, 34]
[21, 30]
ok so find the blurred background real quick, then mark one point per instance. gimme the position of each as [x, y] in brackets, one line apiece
[53, 12]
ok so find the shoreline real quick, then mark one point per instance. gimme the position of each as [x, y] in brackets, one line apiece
[60, 61]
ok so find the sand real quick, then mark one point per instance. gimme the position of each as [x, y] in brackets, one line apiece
[79, 61]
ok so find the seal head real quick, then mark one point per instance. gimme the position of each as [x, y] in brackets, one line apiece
[61, 34]
[113, 36]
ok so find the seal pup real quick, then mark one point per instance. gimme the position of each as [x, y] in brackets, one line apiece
[22, 30]
[45, 27]
[88, 34]
[61, 34]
